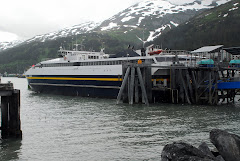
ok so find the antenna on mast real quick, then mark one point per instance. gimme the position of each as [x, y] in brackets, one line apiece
[76, 44]
[141, 39]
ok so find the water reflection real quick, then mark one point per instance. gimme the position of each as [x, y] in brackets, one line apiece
[10, 149]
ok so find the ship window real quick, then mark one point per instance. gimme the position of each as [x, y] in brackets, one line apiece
[160, 59]
[168, 59]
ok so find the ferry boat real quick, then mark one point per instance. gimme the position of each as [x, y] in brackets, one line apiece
[94, 74]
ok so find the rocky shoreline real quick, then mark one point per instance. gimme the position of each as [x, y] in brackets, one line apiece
[227, 144]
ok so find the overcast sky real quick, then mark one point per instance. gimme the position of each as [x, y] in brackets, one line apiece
[28, 18]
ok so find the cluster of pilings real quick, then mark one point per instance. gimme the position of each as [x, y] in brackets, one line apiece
[192, 85]
[10, 111]
[137, 85]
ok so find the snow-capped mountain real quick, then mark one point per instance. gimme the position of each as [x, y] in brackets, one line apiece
[153, 17]
[156, 16]
[70, 31]
[5, 45]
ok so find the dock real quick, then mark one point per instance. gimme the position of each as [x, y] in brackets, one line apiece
[185, 84]
[10, 111]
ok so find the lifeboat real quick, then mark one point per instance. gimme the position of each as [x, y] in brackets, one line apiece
[155, 52]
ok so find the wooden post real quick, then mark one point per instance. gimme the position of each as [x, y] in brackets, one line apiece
[148, 82]
[184, 86]
[210, 87]
[143, 78]
[136, 90]
[4, 116]
[14, 115]
[123, 85]
[174, 96]
[173, 79]
[132, 85]
[195, 85]
[190, 86]
[142, 85]
[10, 114]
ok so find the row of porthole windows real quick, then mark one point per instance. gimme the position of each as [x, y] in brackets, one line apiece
[92, 57]
[63, 52]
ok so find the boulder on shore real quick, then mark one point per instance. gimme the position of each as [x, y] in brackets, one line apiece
[227, 144]
[183, 152]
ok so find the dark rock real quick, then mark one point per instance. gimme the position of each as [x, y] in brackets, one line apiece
[227, 144]
[215, 153]
[219, 158]
[183, 152]
[205, 149]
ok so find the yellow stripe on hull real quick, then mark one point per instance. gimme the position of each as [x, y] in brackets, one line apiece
[62, 78]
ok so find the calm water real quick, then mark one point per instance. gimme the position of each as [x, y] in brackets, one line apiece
[75, 128]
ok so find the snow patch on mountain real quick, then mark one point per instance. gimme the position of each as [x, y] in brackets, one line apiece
[157, 8]
[10, 44]
[157, 32]
[127, 18]
[232, 9]
[69, 31]
[175, 24]
[110, 26]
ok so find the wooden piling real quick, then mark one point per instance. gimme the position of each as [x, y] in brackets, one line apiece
[4, 116]
[10, 111]
[132, 81]
[142, 86]
[132, 85]
[125, 79]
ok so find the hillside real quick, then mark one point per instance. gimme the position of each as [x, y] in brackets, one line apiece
[19, 59]
[219, 25]
[144, 21]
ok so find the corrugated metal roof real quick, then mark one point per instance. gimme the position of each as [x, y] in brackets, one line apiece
[207, 49]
